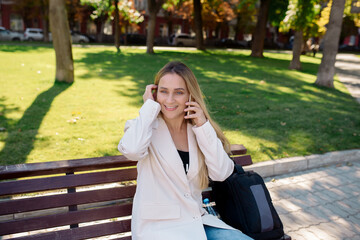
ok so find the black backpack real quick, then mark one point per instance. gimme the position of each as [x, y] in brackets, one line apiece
[244, 202]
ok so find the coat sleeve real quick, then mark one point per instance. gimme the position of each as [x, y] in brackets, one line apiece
[136, 139]
[219, 164]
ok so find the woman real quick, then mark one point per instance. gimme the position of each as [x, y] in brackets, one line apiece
[178, 147]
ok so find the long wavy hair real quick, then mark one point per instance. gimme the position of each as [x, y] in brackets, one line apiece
[193, 87]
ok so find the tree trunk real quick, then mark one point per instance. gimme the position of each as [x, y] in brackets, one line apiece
[61, 41]
[102, 27]
[170, 28]
[257, 47]
[46, 29]
[326, 72]
[117, 27]
[237, 28]
[198, 25]
[153, 7]
[126, 33]
[297, 46]
[45, 19]
[151, 33]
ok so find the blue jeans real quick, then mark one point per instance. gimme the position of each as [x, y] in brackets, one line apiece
[214, 233]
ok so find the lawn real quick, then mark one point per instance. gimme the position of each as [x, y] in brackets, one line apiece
[273, 111]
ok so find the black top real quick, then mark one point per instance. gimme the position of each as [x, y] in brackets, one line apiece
[185, 159]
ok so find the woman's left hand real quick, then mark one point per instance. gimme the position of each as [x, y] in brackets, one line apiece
[196, 113]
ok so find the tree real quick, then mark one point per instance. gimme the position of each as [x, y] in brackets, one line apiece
[75, 12]
[173, 8]
[117, 27]
[301, 16]
[153, 7]
[216, 13]
[61, 41]
[326, 72]
[100, 13]
[129, 16]
[244, 11]
[198, 25]
[257, 47]
[277, 13]
[44, 11]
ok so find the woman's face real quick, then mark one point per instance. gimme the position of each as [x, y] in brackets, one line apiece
[172, 94]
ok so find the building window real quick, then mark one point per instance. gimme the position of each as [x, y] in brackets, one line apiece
[108, 30]
[91, 28]
[176, 29]
[16, 23]
[163, 30]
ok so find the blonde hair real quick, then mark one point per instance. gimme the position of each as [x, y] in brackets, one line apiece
[193, 87]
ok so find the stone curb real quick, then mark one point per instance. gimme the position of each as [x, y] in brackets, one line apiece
[296, 164]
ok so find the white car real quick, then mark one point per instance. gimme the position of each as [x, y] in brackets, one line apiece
[7, 35]
[182, 40]
[75, 38]
[79, 38]
[33, 34]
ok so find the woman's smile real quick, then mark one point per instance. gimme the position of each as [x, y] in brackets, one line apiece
[168, 108]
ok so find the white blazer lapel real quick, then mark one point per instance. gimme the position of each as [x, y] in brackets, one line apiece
[169, 157]
[193, 152]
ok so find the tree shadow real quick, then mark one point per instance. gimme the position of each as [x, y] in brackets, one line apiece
[253, 96]
[21, 135]
[25, 47]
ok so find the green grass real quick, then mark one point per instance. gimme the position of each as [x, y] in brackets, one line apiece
[273, 111]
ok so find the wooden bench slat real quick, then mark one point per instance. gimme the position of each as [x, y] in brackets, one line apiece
[65, 166]
[124, 238]
[60, 182]
[85, 232]
[63, 219]
[77, 165]
[64, 200]
[238, 149]
[244, 160]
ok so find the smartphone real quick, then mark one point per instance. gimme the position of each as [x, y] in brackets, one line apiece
[188, 112]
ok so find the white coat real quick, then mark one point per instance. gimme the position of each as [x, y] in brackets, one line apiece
[168, 202]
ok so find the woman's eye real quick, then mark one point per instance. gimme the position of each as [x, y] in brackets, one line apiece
[163, 91]
[179, 93]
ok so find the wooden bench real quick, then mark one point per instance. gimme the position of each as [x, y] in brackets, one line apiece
[73, 199]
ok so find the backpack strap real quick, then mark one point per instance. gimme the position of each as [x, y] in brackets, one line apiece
[238, 169]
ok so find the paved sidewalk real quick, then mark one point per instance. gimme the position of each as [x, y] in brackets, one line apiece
[321, 203]
[348, 69]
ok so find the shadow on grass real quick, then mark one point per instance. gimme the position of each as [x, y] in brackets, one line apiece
[25, 47]
[261, 98]
[22, 135]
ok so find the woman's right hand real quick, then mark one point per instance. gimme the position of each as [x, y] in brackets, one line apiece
[148, 94]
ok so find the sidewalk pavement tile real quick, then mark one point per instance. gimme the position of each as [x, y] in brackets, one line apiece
[307, 234]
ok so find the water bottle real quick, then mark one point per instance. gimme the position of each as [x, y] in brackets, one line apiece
[209, 208]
